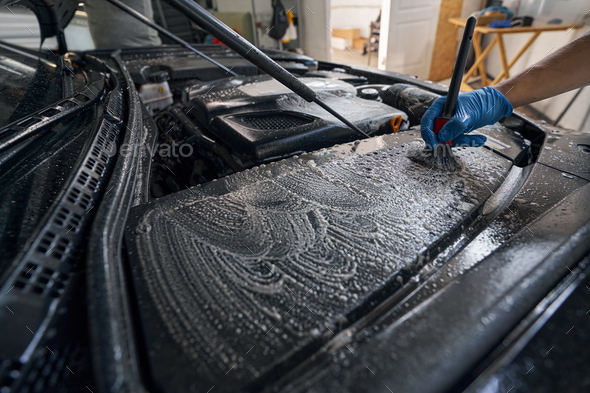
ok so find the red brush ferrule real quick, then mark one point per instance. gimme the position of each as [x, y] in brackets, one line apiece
[439, 122]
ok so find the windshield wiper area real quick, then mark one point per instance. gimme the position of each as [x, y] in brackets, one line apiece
[18, 134]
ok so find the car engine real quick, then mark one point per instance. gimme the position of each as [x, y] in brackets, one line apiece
[211, 129]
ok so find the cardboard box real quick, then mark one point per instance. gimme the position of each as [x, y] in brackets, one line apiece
[340, 43]
[349, 34]
[359, 43]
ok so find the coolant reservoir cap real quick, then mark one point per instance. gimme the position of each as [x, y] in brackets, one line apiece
[369, 94]
[159, 76]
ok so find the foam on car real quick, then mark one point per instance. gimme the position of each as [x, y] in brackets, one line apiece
[251, 273]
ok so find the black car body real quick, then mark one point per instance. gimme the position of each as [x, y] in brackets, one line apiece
[285, 252]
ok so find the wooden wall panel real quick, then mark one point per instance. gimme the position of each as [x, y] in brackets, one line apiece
[445, 43]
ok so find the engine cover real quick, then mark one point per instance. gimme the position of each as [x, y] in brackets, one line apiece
[262, 120]
[256, 272]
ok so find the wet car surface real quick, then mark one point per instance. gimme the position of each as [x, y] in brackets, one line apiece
[255, 270]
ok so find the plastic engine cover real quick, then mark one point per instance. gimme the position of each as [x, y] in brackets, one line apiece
[262, 120]
[240, 279]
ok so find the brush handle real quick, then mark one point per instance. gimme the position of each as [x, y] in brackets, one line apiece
[459, 69]
[455, 85]
[439, 122]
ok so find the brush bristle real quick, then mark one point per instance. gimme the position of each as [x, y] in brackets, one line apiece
[441, 158]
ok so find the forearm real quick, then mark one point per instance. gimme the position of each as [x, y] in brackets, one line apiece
[565, 70]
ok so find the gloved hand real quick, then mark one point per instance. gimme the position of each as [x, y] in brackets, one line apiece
[475, 109]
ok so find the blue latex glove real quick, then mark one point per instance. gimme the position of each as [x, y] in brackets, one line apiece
[475, 109]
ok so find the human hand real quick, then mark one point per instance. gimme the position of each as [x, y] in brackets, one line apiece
[475, 109]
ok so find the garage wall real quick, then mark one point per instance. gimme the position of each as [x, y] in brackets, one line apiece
[314, 37]
[546, 43]
[263, 14]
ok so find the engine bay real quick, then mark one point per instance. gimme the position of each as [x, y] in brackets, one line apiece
[216, 128]
[211, 125]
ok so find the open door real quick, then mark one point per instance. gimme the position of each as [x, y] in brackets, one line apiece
[408, 29]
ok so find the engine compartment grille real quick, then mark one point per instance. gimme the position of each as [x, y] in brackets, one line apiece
[278, 121]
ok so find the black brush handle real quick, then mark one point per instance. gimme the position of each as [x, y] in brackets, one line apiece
[455, 86]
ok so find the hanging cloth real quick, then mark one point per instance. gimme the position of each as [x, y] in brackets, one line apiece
[279, 21]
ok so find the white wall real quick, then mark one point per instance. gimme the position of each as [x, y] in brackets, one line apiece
[351, 14]
[314, 37]
[470, 6]
[545, 44]
[262, 6]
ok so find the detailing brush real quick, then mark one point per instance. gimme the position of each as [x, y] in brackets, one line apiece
[442, 156]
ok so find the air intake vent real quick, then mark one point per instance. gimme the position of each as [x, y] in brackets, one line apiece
[272, 121]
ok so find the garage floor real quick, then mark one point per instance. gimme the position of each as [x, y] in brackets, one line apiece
[353, 56]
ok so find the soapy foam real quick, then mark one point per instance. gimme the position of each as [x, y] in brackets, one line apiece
[281, 258]
[441, 158]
